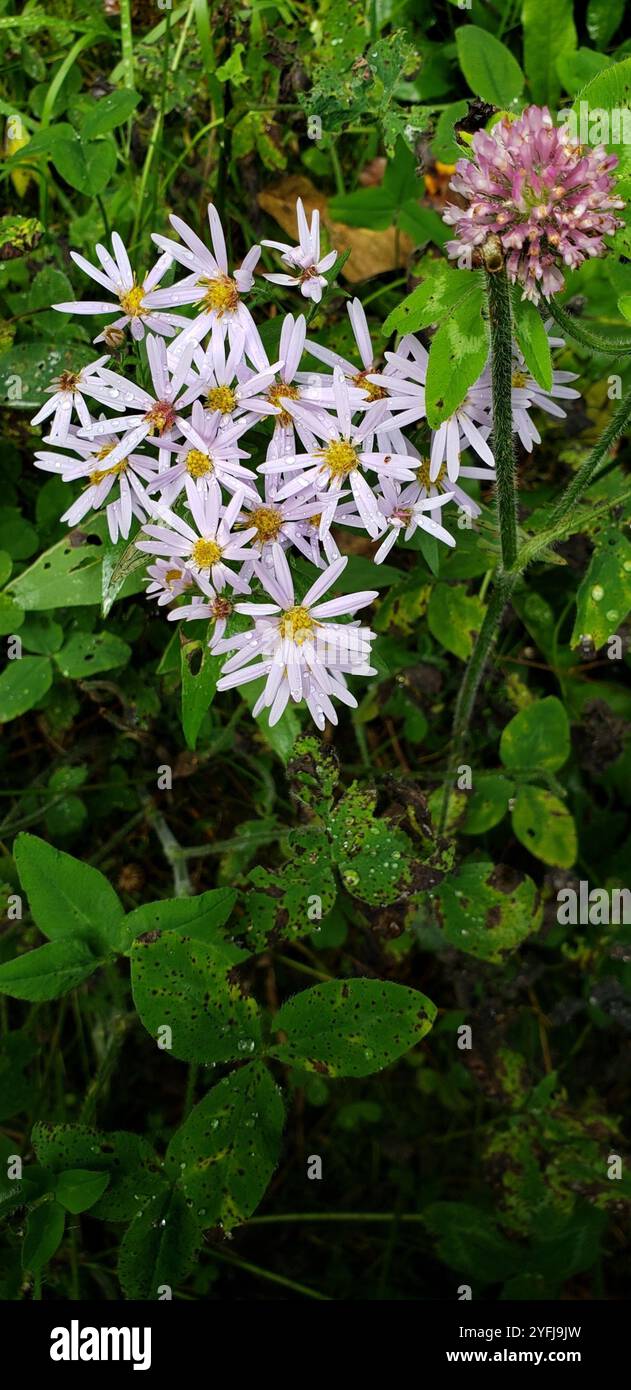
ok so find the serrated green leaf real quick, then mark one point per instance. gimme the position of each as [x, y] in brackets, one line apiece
[457, 356]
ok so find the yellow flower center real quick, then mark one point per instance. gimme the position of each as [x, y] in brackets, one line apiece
[99, 474]
[296, 624]
[340, 458]
[131, 302]
[268, 522]
[172, 576]
[221, 398]
[374, 392]
[519, 379]
[205, 553]
[161, 417]
[278, 393]
[315, 521]
[198, 464]
[221, 295]
[422, 475]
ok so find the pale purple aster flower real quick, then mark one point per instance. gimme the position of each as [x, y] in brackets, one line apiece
[227, 386]
[209, 285]
[304, 260]
[339, 462]
[93, 464]
[526, 393]
[423, 486]
[359, 379]
[66, 394]
[216, 610]
[206, 550]
[168, 579]
[405, 383]
[136, 301]
[404, 513]
[277, 523]
[301, 654]
[549, 201]
[155, 415]
[208, 455]
[292, 385]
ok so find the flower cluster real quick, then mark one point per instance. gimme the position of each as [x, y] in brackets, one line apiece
[326, 450]
[549, 200]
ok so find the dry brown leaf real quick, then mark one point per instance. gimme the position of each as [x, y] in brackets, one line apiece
[372, 253]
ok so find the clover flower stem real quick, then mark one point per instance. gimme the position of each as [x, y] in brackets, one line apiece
[618, 425]
[575, 329]
[501, 385]
[470, 683]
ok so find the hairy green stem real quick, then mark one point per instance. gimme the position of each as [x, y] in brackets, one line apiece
[618, 425]
[585, 336]
[501, 382]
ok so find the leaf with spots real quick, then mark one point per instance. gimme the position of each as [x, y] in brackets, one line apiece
[200, 917]
[158, 1248]
[280, 903]
[375, 859]
[545, 826]
[135, 1173]
[226, 1151]
[351, 1027]
[313, 773]
[183, 983]
[603, 600]
[487, 910]
[536, 737]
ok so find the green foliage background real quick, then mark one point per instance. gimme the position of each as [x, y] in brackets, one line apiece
[295, 1037]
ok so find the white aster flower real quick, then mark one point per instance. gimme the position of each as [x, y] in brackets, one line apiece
[209, 285]
[208, 455]
[152, 416]
[204, 551]
[339, 462]
[135, 300]
[470, 424]
[404, 514]
[93, 464]
[216, 610]
[226, 385]
[526, 393]
[66, 394]
[301, 654]
[304, 260]
[167, 580]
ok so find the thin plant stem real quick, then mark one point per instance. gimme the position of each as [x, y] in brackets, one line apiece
[618, 425]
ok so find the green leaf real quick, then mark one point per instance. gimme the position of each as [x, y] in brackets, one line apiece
[487, 910]
[376, 861]
[199, 917]
[488, 65]
[48, 971]
[109, 112]
[351, 1027]
[488, 802]
[544, 825]
[278, 902]
[469, 1242]
[537, 737]
[158, 1248]
[433, 299]
[121, 566]
[86, 166]
[135, 1175]
[548, 32]
[11, 615]
[78, 1189]
[22, 684]
[68, 898]
[532, 340]
[17, 1090]
[182, 982]
[444, 144]
[88, 653]
[67, 576]
[575, 68]
[44, 1233]
[602, 105]
[603, 18]
[200, 673]
[27, 369]
[603, 600]
[457, 356]
[454, 618]
[226, 1151]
